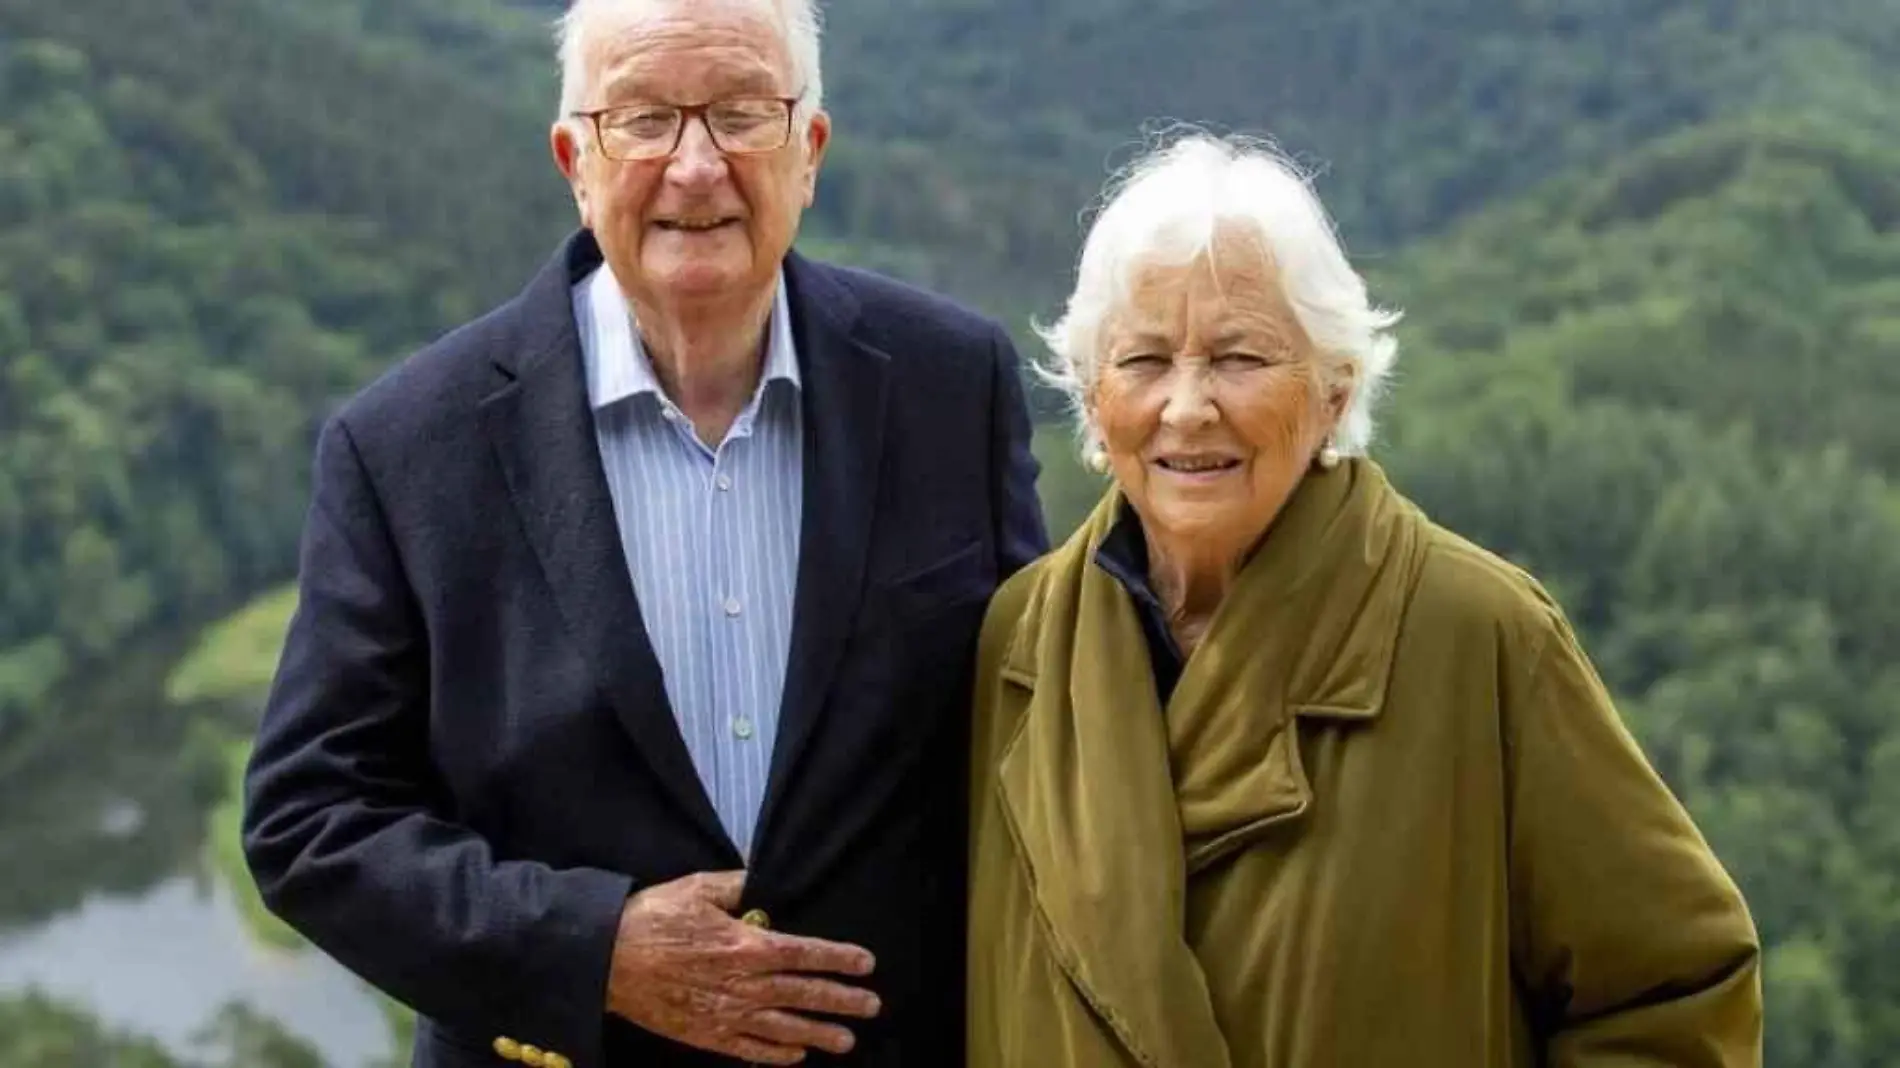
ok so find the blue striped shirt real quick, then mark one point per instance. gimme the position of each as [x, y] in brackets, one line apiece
[711, 537]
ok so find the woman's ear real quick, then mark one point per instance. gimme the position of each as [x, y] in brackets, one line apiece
[1094, 452]
[1342, 385]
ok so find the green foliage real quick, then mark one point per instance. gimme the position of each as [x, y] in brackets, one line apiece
[975, 130]
[28, 674]
[235, 659]
[38, 1032]
[177, 310]
[1649, 259]
[1653, 386]
[225, 835]
[104, 789]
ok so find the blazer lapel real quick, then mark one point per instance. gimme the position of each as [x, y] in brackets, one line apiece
[542, 430]
[844, 397]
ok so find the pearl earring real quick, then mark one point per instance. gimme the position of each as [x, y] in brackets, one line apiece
[1098, 460]
[1328, 456]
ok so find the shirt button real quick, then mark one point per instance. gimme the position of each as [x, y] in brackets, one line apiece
[732, 606]
[670, 414]
[723, 482]
[741, 728]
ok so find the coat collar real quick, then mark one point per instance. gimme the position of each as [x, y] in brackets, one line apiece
[1307, 636]
[541, 426]
[1336, 652]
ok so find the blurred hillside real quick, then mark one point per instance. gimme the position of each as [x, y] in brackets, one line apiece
[1649, 254]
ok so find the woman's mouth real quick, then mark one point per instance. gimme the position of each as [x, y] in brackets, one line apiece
[1197, 465]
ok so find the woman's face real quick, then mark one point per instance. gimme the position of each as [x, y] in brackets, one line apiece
[1209, 398]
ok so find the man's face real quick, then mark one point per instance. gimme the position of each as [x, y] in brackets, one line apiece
[699, 226]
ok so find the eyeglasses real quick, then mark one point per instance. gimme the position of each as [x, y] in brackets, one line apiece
[739, 126]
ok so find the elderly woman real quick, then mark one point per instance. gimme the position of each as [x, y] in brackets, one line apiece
[1269, 768]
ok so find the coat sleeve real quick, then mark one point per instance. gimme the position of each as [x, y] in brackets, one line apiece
[1635, 946]
[1021, 535]
[345, 830]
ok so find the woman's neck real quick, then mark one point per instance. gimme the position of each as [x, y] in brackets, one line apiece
[1191, 580]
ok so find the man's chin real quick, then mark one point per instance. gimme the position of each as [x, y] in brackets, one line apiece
[697, 280]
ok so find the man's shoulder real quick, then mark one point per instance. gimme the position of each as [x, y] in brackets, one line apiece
[445, 379]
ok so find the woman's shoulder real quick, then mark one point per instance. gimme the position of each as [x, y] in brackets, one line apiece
[1464, 588]
[1009, 605]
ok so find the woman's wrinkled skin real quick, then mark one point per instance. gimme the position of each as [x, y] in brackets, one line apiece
[1211, 403]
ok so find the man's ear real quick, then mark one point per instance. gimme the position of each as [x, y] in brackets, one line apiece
[570, 151]
[817, 140]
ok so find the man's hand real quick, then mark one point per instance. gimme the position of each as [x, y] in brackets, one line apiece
[684, 968]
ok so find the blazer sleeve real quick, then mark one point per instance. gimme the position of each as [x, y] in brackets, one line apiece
[344, 829]
[1635, 945]
[1021, 534]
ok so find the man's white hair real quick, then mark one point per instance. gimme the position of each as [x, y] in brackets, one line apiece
[798, 21]
[1167, 207]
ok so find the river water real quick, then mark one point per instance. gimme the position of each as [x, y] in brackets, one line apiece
[107, 901]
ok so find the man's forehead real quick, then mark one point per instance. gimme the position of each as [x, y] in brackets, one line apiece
[744, 35]
[615, 24]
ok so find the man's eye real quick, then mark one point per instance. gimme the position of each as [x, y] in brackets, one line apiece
[643, 121]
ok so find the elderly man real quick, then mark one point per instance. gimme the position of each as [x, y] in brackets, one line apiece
[623, 718]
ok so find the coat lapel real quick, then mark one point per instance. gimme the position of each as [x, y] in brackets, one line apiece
[542, 430]
[1086, 793]
[844, 398]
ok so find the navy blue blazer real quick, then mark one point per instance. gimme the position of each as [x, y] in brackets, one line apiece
[468, 761]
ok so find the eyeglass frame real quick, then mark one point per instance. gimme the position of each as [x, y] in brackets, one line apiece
[687, 113]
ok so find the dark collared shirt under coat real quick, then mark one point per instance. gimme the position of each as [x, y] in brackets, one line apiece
[1124, 554]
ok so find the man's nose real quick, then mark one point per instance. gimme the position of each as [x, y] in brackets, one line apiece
[696, 160]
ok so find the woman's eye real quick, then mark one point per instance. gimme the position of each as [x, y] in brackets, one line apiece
[1138, 360]
[1240, 361]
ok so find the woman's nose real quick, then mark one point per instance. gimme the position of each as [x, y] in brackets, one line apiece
[1190, 398]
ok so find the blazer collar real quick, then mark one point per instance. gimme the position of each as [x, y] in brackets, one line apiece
[844, 397]
[542, 430]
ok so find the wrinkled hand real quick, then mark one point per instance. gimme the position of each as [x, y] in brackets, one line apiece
[684, 968]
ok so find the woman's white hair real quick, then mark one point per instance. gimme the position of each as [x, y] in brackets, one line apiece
[798, 21]
[1167, 207]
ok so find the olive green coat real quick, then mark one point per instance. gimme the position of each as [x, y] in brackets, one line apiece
[1388, 818]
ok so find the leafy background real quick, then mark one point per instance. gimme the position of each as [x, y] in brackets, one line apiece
[1649, 252]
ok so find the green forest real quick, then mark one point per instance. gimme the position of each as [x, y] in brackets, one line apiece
[1648, 252]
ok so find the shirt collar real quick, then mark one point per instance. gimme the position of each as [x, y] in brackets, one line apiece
[1123, 553]
[616, 360]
